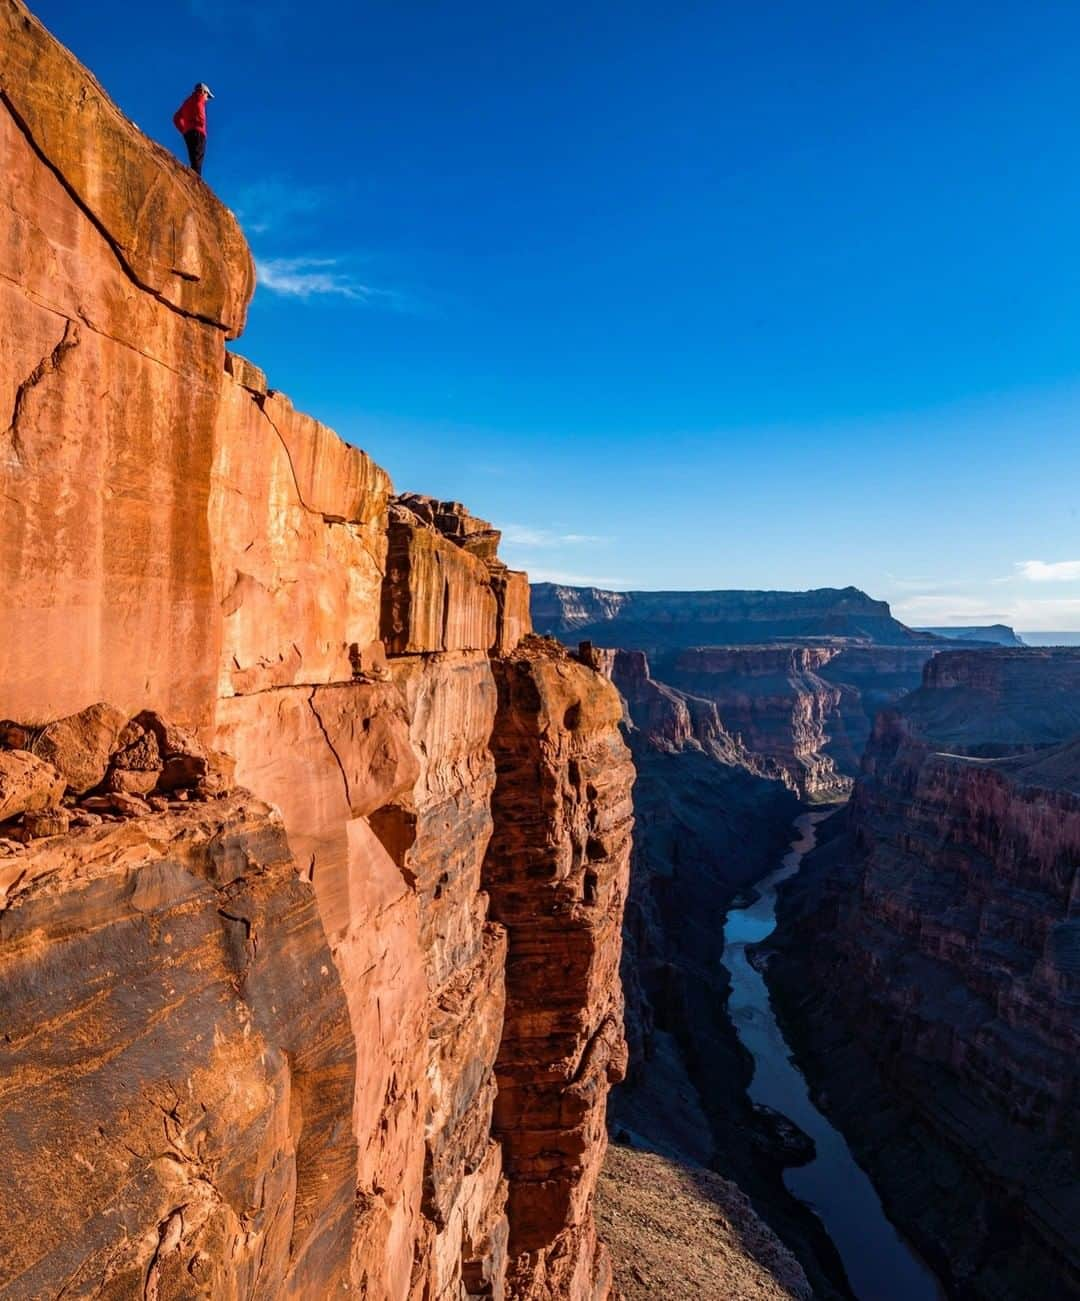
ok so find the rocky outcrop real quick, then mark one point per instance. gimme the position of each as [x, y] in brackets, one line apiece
[939, 933]
[802, 712]
[289, 834]
[661, 621]
[177, 1063]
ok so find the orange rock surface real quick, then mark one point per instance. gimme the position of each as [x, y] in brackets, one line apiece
[279, 1042]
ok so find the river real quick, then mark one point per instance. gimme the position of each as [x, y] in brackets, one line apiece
[880, 1265]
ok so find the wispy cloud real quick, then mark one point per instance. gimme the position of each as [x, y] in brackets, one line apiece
[1053, 571]
[1054, 614]
[541, 575]
[269, 204]
[928, 608]
[925, 584]
[309, 277]
[523, 535]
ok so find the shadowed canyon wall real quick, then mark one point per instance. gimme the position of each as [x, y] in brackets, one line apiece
[313, 859]
[928, 956]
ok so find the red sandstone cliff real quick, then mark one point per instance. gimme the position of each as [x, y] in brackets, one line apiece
[311, 973]
[942, 930]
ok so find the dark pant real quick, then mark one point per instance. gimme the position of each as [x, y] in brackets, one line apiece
[196, 147]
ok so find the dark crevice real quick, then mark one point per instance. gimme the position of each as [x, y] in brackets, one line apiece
[330, 744]
[259, 399]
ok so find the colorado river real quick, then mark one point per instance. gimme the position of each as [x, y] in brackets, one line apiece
[879, 1263]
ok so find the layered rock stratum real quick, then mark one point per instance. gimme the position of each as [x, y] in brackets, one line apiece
[793, 679]
[929, 960]
[314, 859]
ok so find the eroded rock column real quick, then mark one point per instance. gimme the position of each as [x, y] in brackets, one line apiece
[557, 869]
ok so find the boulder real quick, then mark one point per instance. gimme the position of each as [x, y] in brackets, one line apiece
[79, 746]
[133, 781]
[171, 738]
[141, 755]
[220, 775]
[136, 769]
[27, 784]
[44, 822]
[129, 806]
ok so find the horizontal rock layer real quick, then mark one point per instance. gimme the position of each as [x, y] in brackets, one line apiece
[258, 1041]
[802, 712]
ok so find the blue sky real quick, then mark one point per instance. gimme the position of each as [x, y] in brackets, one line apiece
[731, 294]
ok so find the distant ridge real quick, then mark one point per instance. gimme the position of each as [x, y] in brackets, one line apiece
[1000, 634]
[660, 621]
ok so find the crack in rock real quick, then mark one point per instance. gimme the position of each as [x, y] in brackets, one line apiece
[48, 365]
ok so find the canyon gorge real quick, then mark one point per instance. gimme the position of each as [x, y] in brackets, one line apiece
[352, 890]
[924, 966]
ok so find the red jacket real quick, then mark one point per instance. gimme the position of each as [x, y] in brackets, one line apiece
[191, 115]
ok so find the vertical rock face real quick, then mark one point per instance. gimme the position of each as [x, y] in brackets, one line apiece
[943, 927]
[278, 1044]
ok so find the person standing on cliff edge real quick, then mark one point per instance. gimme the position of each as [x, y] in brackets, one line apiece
[190, 120]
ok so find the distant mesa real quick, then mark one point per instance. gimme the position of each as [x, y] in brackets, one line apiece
[658, 621]
[998, 634]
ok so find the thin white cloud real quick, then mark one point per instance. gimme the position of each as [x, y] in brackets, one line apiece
[928, 608]
[309, 277]
[523, 535]
[1051, 614]
[1053, 571]
[923, 585]
[539, 574]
